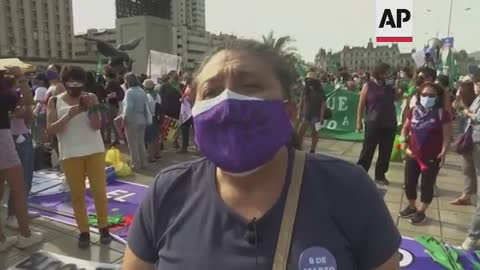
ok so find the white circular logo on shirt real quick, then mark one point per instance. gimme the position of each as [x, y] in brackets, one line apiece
[317, 258]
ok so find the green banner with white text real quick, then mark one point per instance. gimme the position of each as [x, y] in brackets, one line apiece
[343, 123]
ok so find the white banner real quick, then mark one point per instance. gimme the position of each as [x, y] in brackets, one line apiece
[161, 63]
[49, 260]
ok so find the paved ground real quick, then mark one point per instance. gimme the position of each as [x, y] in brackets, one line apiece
[446, 222]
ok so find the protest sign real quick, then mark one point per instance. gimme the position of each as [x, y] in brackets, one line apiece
[170, 128]
[185, 111]
[160, 64]
[48, 260]
[343, 123]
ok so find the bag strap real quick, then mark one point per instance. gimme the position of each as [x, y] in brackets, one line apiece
[289, 213]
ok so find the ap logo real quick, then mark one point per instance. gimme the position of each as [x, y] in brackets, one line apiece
[394, 21]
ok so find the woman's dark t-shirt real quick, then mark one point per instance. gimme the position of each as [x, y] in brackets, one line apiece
[8, 103]
[381, 105]
[342, 221]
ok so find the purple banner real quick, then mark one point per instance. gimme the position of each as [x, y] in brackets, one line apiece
[123, 199]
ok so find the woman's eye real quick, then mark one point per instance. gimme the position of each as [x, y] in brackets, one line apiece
[210, 93]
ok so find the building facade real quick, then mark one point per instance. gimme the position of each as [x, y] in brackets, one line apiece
[180, 32]
[40, 28]
[192, 45]
[189, 13]
[358, 59]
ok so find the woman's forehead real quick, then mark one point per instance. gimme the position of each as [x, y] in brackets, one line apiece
[429, 89]
[228, 62]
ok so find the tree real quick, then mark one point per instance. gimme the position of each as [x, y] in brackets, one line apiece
[283, 45]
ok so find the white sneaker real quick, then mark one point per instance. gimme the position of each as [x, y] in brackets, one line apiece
[470, 244]
[33, 214]
[25, 242]
[9, 241]
[12, 222]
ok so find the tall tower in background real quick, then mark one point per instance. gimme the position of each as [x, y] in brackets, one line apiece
[189, 13]
[150, 19]
[40, 28]
[154, 8]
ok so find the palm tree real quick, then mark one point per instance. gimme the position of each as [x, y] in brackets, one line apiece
[283, 46]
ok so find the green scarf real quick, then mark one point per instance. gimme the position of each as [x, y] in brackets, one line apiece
[176, 85]
[152, 93]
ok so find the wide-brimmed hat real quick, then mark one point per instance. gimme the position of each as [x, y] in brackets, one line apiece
[312, 75]
[148, 84]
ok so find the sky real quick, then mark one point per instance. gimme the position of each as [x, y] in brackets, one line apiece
[314, 24]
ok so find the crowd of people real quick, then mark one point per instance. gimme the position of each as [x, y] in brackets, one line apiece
[248, 125]
[72, 113]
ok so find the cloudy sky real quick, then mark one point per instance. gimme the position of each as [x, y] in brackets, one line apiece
[314, 24]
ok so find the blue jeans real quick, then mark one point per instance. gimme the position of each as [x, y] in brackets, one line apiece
[25, 153]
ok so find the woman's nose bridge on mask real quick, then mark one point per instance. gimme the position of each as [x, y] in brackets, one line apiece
[230, 78]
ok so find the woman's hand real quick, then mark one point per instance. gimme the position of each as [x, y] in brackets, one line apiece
[89, 100]
[409, 152]
[74, 111]
[442, 156]
[466, 113]
[359, 126]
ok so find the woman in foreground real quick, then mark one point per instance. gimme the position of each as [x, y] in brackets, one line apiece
[224, 211]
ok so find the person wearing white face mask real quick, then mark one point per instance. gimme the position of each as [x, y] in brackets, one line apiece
[473, 115]
[425, 140]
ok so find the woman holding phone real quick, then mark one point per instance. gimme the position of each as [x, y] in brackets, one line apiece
[10, 165]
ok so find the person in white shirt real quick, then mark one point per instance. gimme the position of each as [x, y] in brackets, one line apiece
[74, 118]
[38, 131]
[152, 132]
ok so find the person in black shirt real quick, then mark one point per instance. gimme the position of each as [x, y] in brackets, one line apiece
[312, 104]
[171, 95]
[114, 96]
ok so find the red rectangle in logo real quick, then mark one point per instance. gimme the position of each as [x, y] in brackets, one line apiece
[394, 39]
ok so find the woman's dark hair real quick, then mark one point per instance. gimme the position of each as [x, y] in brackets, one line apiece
[380, 69]
[437, 88]
[75, 73]
[282, 70]
[428, 72]
[42, 77]
[476, 78]
[408, 72]
[466, 93]
[443, 80]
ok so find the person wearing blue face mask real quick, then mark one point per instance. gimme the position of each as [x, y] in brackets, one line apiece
[425, 134]
[228, 210]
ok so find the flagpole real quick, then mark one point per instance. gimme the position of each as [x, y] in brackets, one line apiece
[450, 18]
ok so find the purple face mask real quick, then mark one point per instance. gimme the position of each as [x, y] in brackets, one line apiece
[239, 134]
